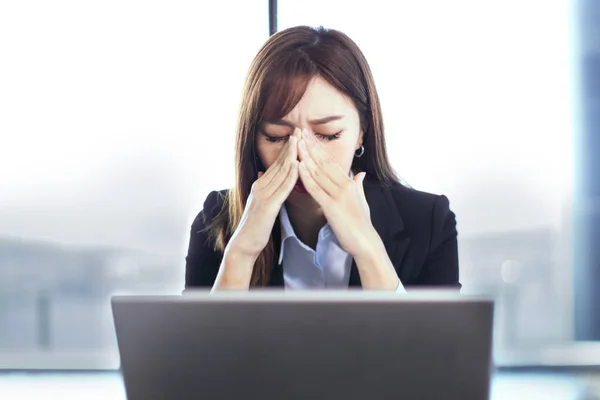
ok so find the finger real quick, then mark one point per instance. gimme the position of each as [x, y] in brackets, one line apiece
[312, 187]
[287, 155]
[298, 133]
[282, 171]
[293, 144]
[359, 179]
[288, 152]
[317, 174]
[284, 190]
[290, 149]
[272, 169]
[260, 173]
[322, 159]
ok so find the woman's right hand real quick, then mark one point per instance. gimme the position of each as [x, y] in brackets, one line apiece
[268, 194]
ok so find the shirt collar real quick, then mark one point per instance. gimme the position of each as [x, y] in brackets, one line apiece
[287, 231]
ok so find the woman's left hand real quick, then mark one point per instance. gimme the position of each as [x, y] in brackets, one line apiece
[342, 199]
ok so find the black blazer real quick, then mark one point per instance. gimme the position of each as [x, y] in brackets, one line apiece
[417, 228]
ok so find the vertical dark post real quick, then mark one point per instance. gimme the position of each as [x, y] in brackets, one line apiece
[586, 293]
[272, 17]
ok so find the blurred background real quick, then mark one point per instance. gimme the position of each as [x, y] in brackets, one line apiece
[117, 118]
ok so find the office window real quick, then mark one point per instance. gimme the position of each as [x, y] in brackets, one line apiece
[115, 118]
[477, 103]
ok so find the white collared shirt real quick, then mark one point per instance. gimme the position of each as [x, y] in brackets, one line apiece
[304, 268]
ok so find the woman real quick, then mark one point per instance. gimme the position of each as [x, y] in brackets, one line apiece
[316, 203]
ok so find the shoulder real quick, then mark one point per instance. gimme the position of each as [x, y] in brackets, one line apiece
[423, 210]
[213, 205]
[416, 200]
[415, 205]
[426, 217]
[203, 260]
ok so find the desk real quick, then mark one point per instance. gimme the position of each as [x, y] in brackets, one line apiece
[506, 385]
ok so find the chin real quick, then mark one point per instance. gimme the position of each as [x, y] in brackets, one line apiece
[301, 200]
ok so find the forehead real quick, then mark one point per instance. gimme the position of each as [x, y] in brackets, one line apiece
[321, 99]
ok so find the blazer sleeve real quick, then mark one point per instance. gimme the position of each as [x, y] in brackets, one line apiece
[441, 263]
[202, 261]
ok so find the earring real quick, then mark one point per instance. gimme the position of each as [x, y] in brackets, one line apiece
[359, 153]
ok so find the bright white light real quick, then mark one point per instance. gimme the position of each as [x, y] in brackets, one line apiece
[476, 99]
[119, 116]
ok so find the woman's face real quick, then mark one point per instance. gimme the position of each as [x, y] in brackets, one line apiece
[329, 115]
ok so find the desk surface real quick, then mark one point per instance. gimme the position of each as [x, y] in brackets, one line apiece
[511, 385]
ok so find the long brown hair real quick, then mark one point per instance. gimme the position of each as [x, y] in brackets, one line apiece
[276, 81]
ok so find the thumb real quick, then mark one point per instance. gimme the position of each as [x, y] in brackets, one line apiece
[359, 178]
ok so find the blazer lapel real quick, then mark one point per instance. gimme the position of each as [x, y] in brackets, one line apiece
[354, 276]
[276, 278]
[387, 222]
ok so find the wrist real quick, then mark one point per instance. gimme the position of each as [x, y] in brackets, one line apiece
[235, 271]
[239, 249]
[375, 267]
[372, 250]
[239, 259]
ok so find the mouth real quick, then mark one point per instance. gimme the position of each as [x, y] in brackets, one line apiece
[299, 187]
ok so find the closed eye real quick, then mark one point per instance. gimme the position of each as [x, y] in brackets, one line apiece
[276, 139]
[322, 136]
[328, 137]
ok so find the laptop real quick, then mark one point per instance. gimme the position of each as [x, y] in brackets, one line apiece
[274, 345]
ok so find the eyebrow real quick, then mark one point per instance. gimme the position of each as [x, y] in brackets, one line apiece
[319, 121]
